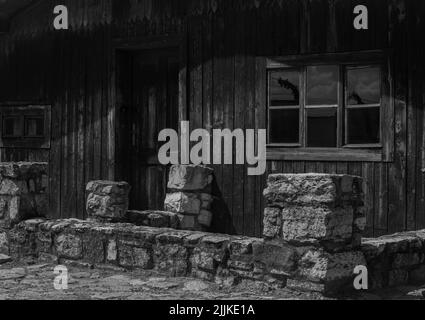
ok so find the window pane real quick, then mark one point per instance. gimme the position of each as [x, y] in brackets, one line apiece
[11, 127]
[322, 85]
[34, 127]
[284, 88]
[322, 127]
[284, 126]
[364, 86]
[363, 126]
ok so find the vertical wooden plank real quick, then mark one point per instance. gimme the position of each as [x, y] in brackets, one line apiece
[239, 172]
[260, 123]
[56, 87]
[368, 189]
[80, 127]
[221, 221]
[420, 85]
[412, 114]
[381, 199]
[397, 169]
[228, 108]
[251, 27]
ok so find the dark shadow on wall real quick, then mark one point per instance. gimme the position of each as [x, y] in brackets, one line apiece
[222, 219]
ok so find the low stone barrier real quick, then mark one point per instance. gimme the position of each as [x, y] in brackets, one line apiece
[321, 217]
[107, 200]
[190, 196]
[312, 236]
[395, 260]
[23, 195]
[221, 258]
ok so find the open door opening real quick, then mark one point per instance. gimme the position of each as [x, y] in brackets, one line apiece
[147, 83]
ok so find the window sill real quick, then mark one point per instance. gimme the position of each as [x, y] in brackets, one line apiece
[325, 154]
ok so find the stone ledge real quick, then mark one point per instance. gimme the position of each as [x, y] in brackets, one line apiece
[397, 259]
[221, 258]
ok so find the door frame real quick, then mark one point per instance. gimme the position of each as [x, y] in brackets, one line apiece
[120, 45]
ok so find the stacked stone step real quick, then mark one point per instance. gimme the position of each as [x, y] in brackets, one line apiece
[190, 196]
[396, 260]
[322, 217]
[23, 196]
[107, 201]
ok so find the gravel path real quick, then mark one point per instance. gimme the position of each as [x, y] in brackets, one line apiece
[32, 282]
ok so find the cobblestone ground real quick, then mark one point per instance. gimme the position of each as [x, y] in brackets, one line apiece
[31, 282]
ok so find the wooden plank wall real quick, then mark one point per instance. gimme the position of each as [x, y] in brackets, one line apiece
[225, 42]
[227, 90]
[70, 70]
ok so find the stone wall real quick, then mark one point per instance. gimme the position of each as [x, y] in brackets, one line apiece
[221, 258]
[225, 259]
[396, 260]
[190, 196]
[312, 234]
[107, 200]
[23, 195]
[321, 217]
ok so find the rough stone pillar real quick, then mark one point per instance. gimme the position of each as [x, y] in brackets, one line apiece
[23, 195]
[107, 201]
[189, 195]
[322, 216]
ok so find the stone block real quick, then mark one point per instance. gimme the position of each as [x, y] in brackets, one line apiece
[4, 242]
[190, 178]
[107, 188]
[398, 277]
[111, 251]
[272, 223]
[306, 224]
[14, 209]
[207, 259]
[417, 275]
[94, 247]
[106, 208]
[243, 246]
[205, 218]
[187, 222]
[275, 256]
[69, 246]
[407, 260]
[335, 270]
[181, 202]
[311, 189]
[134, 257]
[23, 170]
[172, 259]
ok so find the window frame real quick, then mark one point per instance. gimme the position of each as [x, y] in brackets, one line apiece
[23, 112]
[343, 152]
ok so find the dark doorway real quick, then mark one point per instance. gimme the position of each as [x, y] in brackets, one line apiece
[148, 103]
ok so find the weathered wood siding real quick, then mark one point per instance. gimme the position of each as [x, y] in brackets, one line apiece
[227, 90]
[224, 42]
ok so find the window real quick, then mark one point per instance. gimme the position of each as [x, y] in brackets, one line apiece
[25, 126]
[321, 105]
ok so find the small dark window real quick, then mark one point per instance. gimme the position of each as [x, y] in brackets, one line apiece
[12, 127]
[363, 126]
[34, 126]
[363, 105]
[322, 127]
[325, 106]
[322, 85]
[284, 107]
[364, 86]
[25, 126]
[284, 126]
[284, 88]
